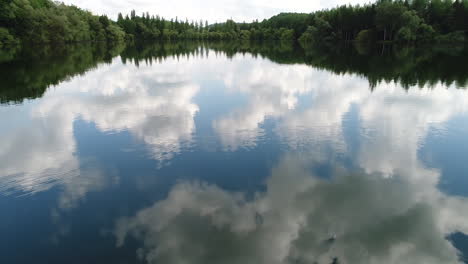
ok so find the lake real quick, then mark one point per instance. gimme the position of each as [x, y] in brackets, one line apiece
[233, 153]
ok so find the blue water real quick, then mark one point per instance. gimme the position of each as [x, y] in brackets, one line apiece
[213, 159]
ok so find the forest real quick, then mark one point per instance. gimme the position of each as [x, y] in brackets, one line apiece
[44, 21]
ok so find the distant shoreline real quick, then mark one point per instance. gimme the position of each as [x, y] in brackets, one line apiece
[44, 21]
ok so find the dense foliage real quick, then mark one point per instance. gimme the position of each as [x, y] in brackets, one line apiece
[151, 27]
[386, 20]
[44, 21]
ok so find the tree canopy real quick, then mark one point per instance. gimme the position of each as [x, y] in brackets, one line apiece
[44, 21]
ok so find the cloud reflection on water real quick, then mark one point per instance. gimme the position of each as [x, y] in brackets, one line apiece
[153, 104]
[390, 212]
[375, 219]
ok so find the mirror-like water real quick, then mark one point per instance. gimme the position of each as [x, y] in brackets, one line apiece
[216, 153]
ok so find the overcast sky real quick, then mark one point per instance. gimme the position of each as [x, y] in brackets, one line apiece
[211, 10]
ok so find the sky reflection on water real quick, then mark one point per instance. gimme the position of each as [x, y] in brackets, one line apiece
[215, 159]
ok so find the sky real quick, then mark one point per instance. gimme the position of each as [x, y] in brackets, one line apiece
[211, 10]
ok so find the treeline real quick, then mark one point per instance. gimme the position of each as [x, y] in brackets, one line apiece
[154, 27]
[385, 20]
[388, 20]
[45, 21]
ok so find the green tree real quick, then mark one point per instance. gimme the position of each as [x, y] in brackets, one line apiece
[389, 17]
[6, 39]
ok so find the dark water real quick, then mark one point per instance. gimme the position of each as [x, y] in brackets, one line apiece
[233, 153]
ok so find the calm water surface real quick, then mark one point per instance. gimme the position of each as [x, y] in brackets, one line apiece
[233, 154]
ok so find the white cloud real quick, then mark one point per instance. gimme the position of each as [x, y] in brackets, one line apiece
[239, 10]
[393, 122]
[376, 220]
[153, 103]
[35, 156]
[396, 123]
[272, 90]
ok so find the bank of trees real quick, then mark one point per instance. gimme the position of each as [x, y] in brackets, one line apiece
[154, 27]
[44, 21]
[389, 20]
[385, 20]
